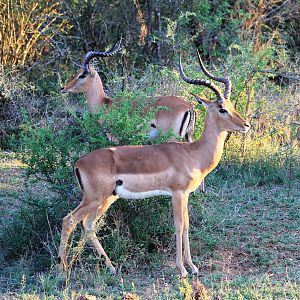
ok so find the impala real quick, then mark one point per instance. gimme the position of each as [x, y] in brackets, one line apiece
[173, 169]
[179, 115]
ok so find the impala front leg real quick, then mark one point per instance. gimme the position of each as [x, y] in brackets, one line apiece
[187, 250]
[179, 201]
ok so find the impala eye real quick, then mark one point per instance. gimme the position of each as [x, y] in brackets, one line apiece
[222, 110]
[83, 75]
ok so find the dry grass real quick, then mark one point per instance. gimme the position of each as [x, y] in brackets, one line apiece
[26, 30]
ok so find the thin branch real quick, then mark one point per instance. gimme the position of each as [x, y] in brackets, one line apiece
[285, 75]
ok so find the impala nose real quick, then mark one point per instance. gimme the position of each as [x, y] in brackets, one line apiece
[246, 127]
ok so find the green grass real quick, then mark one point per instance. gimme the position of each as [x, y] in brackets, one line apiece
[245, 237]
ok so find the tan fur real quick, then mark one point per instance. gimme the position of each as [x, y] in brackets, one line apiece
[174, 167]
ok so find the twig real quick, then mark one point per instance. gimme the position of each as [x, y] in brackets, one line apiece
[285, 75]
[78, 24]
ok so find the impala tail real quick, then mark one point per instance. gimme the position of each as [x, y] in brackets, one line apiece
[188, 125]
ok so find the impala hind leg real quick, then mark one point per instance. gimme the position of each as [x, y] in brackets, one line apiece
[179, 201]
[69, 223]
[202, 186]
[186, 242]
[89, 224]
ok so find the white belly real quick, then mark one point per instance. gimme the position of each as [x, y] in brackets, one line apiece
[123, 193]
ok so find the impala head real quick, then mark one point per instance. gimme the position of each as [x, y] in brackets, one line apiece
[87, 75]
[82, 81]
[224, 115]
[222, 111]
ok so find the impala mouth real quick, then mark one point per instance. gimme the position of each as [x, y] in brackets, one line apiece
[244, 130]
[66, 91]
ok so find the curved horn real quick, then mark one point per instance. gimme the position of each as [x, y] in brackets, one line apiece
[224, 80]
[91, 54]
[206, 83]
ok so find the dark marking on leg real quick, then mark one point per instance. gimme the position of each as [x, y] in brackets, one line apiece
[119, 182]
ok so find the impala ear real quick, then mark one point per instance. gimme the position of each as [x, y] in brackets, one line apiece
[92, 71]
[202, 100]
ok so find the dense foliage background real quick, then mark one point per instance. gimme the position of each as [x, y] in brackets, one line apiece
[256, 43]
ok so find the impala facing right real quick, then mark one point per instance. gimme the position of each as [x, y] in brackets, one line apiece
[136, 172]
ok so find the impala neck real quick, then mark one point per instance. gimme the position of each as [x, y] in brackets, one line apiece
[95, 95]
[209, 147]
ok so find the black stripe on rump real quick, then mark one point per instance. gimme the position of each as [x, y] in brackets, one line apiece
[77, 173]
[183, 121]
[189, 134]
[187, 137]
[191, 119]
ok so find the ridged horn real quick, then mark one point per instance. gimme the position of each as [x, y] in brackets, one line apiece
[203, 82]
[224, 80]
[91, 54]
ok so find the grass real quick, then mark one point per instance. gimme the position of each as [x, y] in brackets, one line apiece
[245, 237]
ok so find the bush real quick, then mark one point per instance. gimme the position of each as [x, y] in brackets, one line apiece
[20, 97]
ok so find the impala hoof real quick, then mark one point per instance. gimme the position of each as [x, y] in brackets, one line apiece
[112, 270]
[184, 274]
[195, 270]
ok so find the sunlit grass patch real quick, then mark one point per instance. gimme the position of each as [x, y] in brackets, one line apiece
[263, 288]
[9, 160]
